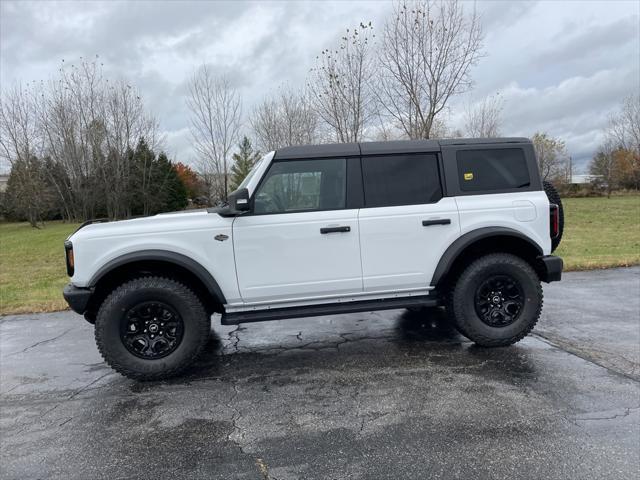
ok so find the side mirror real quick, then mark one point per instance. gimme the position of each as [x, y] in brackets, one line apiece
[239, 200]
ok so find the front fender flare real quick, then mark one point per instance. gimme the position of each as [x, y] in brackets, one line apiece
[165, 256]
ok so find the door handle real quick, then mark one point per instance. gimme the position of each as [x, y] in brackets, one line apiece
[334, 229]
[439, 221]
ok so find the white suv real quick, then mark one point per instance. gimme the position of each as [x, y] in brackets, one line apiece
[317, 230]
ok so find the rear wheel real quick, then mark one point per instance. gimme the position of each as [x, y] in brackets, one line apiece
[497, 300]
[151, 328]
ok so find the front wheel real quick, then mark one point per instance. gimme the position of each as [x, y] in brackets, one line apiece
[151, 328]
[497, 300]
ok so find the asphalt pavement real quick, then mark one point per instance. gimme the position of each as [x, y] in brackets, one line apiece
[379, 395]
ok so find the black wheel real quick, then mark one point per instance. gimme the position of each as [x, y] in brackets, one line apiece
[151, 328]
[497, 300]
[554, 197]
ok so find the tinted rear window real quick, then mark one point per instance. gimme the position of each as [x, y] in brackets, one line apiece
[498, 169]
[400, 180]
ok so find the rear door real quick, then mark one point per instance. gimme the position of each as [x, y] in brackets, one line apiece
[301, 240]
[406, 223]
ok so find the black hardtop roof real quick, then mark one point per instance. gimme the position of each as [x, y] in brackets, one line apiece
[379, 148]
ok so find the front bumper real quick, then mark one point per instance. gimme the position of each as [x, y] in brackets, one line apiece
[77, 298]
[550, 268]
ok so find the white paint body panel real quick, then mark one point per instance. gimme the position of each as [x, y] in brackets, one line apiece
[398, 252]
[190, 234]
[285, 257]
[504, 210]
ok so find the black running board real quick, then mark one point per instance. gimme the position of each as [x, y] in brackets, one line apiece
[328, 309]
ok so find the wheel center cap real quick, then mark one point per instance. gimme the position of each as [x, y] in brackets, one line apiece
[496, 299]
[153, 328]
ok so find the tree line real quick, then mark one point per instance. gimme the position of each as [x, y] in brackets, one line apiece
[83, 145]
[617, 162]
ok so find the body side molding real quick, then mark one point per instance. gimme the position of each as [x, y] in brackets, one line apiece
[457, 247]
[166, 256]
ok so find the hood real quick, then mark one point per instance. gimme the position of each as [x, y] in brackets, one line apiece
[162, 222]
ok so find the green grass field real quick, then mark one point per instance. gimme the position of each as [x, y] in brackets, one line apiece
[32, 271]
[599, 233]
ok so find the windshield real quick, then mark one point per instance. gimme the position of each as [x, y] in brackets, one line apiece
[253, 171]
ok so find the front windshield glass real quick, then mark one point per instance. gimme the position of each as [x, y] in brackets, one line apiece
[255, 168]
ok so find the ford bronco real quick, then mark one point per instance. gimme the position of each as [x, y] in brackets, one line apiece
[466, 224]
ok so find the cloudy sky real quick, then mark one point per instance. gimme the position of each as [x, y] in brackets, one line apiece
[560, 66]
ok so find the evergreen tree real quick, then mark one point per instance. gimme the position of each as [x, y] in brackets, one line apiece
[174, 191]
[155, 184]
[29, 195]
[243, 162]
[144, 188]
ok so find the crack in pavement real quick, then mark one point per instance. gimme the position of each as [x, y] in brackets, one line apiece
[626, 413]
[234, 337]
[41, 342]
[66, 399]
[234, 418]
[85, 387]
[322, 344]
[576, 351]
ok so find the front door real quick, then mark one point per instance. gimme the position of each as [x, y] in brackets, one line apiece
[406, 224]
[299, 241]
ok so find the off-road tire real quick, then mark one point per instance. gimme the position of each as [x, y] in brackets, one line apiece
[554, 197]
[197, 328]
[462, 300]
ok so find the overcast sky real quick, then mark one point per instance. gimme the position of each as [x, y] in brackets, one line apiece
[560, 67]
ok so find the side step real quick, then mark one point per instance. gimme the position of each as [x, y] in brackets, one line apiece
[328, 309]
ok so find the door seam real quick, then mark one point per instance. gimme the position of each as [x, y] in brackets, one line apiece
[360, 251]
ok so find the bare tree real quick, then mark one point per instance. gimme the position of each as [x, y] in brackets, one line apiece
[341, 87]
[215, 125]
[20, 136]
[602, 166]
[76, 135]
[428, 47]
[482, 119]
[624, 126]
[552, 156]
[91, 127]
[21, 146]
[286, 118]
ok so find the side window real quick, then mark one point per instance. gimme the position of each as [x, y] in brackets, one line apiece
[302, 185]
[401, 180]
[492, 169]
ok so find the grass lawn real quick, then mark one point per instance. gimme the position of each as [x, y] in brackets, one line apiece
[32, 268]
[599, 233]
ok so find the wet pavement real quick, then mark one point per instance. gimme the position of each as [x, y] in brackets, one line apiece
[374, 395]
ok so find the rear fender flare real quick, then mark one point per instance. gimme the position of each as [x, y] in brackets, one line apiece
[468, 239]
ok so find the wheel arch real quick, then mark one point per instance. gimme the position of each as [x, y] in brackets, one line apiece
[481, 242]
[161, 263]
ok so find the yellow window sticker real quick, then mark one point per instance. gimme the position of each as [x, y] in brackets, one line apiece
[468, 176]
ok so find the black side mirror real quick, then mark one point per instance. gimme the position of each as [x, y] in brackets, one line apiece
[239, 200]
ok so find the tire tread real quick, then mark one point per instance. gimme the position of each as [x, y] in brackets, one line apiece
[130, 287]
[455, 305]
